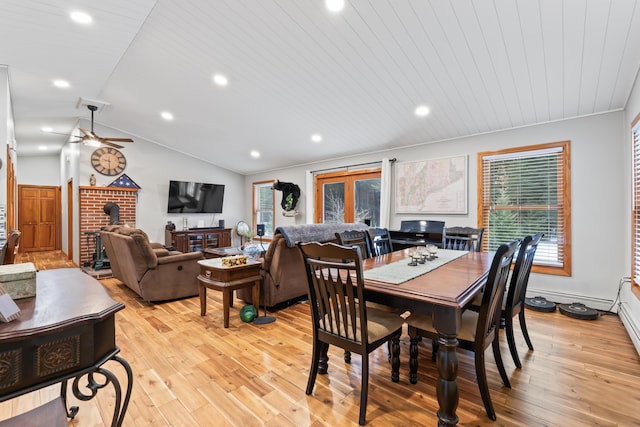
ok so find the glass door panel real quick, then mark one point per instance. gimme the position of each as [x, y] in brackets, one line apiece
[333, 203]
[367, 201]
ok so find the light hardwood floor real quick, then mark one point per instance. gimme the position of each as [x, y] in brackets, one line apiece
[189, 371]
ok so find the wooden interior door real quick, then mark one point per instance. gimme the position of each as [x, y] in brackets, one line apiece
[38, 213]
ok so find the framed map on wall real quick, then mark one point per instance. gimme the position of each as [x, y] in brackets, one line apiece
[433, 186]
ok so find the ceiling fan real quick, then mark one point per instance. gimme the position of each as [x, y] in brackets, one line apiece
[91, 138]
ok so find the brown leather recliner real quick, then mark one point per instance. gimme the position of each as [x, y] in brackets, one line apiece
[152, 272]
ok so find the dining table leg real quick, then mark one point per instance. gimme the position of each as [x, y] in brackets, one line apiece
[447, 322]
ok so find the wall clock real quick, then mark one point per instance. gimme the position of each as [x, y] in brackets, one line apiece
[108, 161]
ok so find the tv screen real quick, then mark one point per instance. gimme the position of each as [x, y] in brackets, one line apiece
[195, 197]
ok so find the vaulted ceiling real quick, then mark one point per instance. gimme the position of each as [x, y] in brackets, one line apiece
[295, 69]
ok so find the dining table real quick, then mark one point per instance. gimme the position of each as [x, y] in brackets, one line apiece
[443, 286]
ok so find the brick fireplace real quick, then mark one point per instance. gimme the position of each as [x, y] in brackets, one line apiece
[92, 216]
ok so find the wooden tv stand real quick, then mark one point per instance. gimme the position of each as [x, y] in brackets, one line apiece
[199, 239]
[66, 332]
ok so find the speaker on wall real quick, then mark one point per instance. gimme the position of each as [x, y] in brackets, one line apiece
[260, 230]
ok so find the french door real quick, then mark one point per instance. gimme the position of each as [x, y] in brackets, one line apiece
[348, 196]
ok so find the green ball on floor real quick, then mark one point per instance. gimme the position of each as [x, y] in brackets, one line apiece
[248, 313]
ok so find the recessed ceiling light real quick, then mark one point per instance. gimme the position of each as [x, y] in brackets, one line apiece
[46, 129]
[81, 17]
[167, 115]
[220, 80]
[62, 84]
[42, 147]
[422, 110]
[255, 154]
[334, 5]
[316, 138]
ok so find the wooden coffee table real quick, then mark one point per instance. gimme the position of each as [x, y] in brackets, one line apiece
[214, 275]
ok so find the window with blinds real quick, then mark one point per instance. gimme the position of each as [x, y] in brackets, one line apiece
[263, 212]
[635, 135]
[523, 191]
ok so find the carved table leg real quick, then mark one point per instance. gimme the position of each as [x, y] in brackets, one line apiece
[447, 387]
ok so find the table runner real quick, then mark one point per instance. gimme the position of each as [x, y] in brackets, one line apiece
[399, 271]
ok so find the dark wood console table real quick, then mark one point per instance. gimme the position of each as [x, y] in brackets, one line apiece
[66, 332]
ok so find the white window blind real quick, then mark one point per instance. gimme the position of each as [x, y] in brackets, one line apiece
[635, 132]
[263, 211]
[526, 191]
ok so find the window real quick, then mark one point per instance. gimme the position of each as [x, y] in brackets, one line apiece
[348, 197]
[263, 207]
[635, 135]
[524, 191]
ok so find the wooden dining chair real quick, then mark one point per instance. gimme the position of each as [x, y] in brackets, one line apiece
[514, 301]
[380, 241]
[362, 239]
[477, 331]
[462, 238]
[339, 315]
[13, 243]
[355, 238]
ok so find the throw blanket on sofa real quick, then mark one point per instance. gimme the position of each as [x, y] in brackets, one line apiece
[315, 232]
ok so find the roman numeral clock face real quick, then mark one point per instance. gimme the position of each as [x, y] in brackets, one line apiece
[108, 161]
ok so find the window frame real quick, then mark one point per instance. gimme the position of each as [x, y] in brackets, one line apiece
[256, 209]
[565, 164]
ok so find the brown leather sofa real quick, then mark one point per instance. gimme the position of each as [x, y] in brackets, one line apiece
[150, 270]
[285, 278]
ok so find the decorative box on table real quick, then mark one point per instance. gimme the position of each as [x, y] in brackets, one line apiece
[19, 280]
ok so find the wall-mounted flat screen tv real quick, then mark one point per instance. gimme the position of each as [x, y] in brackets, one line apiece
[195, 197]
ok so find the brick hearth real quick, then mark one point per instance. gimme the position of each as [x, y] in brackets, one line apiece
[92, 216]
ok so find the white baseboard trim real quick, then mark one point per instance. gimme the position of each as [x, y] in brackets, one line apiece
[566, 298]
[631, 325]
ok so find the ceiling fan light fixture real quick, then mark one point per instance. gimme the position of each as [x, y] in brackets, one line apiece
[91, 142]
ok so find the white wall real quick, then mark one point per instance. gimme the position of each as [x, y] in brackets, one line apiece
[39, 170]
[598, 198]
[629, 304]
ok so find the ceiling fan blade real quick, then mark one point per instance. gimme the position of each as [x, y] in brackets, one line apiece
[118, 139]
[86, 133]
[110, 144]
